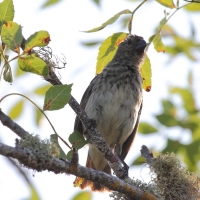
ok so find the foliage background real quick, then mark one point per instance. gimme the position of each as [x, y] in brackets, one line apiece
[171, 108]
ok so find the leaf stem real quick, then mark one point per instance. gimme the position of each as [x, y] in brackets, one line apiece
[64, 142]
[34, 105]
[131, 19]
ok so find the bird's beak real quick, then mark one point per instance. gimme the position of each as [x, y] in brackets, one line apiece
[140, 46]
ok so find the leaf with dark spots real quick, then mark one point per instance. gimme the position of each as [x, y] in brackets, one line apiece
[48, 105]
[38, 39]
[11, 35]
[108, 49]
[146, 74]
[6, 11]
[34, 65]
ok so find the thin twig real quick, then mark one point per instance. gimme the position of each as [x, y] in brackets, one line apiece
[161, 27]
[131, 19]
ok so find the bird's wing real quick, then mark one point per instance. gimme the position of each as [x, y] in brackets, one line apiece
[127, 144]
[78, 124]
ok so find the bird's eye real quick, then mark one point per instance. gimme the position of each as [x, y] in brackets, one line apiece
[129, 42]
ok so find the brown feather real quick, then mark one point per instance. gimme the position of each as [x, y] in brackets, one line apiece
[78, 124]
[79, 127]
[127, 144]
[93, 185]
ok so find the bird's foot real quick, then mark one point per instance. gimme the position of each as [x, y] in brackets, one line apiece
[125, 168]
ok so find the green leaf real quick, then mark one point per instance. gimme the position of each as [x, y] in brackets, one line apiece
[77, 140]
[146, 128]
[191, 155]
[89, 44]
[108, 49]
[161, 24]
[38, 39]
[157, 42]
[11, 35]
[69, 155]
[50, 3]
[7, 71]
[193, 7]
[173, 50]
[167, 3]
[57, 97]
[187, 97]
[184, 45]
[16, 110]
[83, 196]
[110, 21]
[156, 39]
[172, 146]
[97, 2]
[191, 123]
[34, 65]
[138, 161]
[146, 74]
[6, 12]
[42, 90]
[169, 108]
[54, 139]
[167, 120]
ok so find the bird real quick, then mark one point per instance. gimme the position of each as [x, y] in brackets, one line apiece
[114, 101]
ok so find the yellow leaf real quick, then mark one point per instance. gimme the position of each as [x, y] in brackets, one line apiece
[85, 195]
[108, 49]
[16, 110]
[167, 3]
[146, 74]
[158, 44]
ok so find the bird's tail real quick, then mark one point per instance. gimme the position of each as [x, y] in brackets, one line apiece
[93, 185]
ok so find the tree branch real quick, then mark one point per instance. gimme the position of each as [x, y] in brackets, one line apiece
[59, 166]
[28, 159]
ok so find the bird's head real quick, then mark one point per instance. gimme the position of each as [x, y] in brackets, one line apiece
[132, 49]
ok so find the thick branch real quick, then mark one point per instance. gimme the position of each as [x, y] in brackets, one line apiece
[59, 166]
